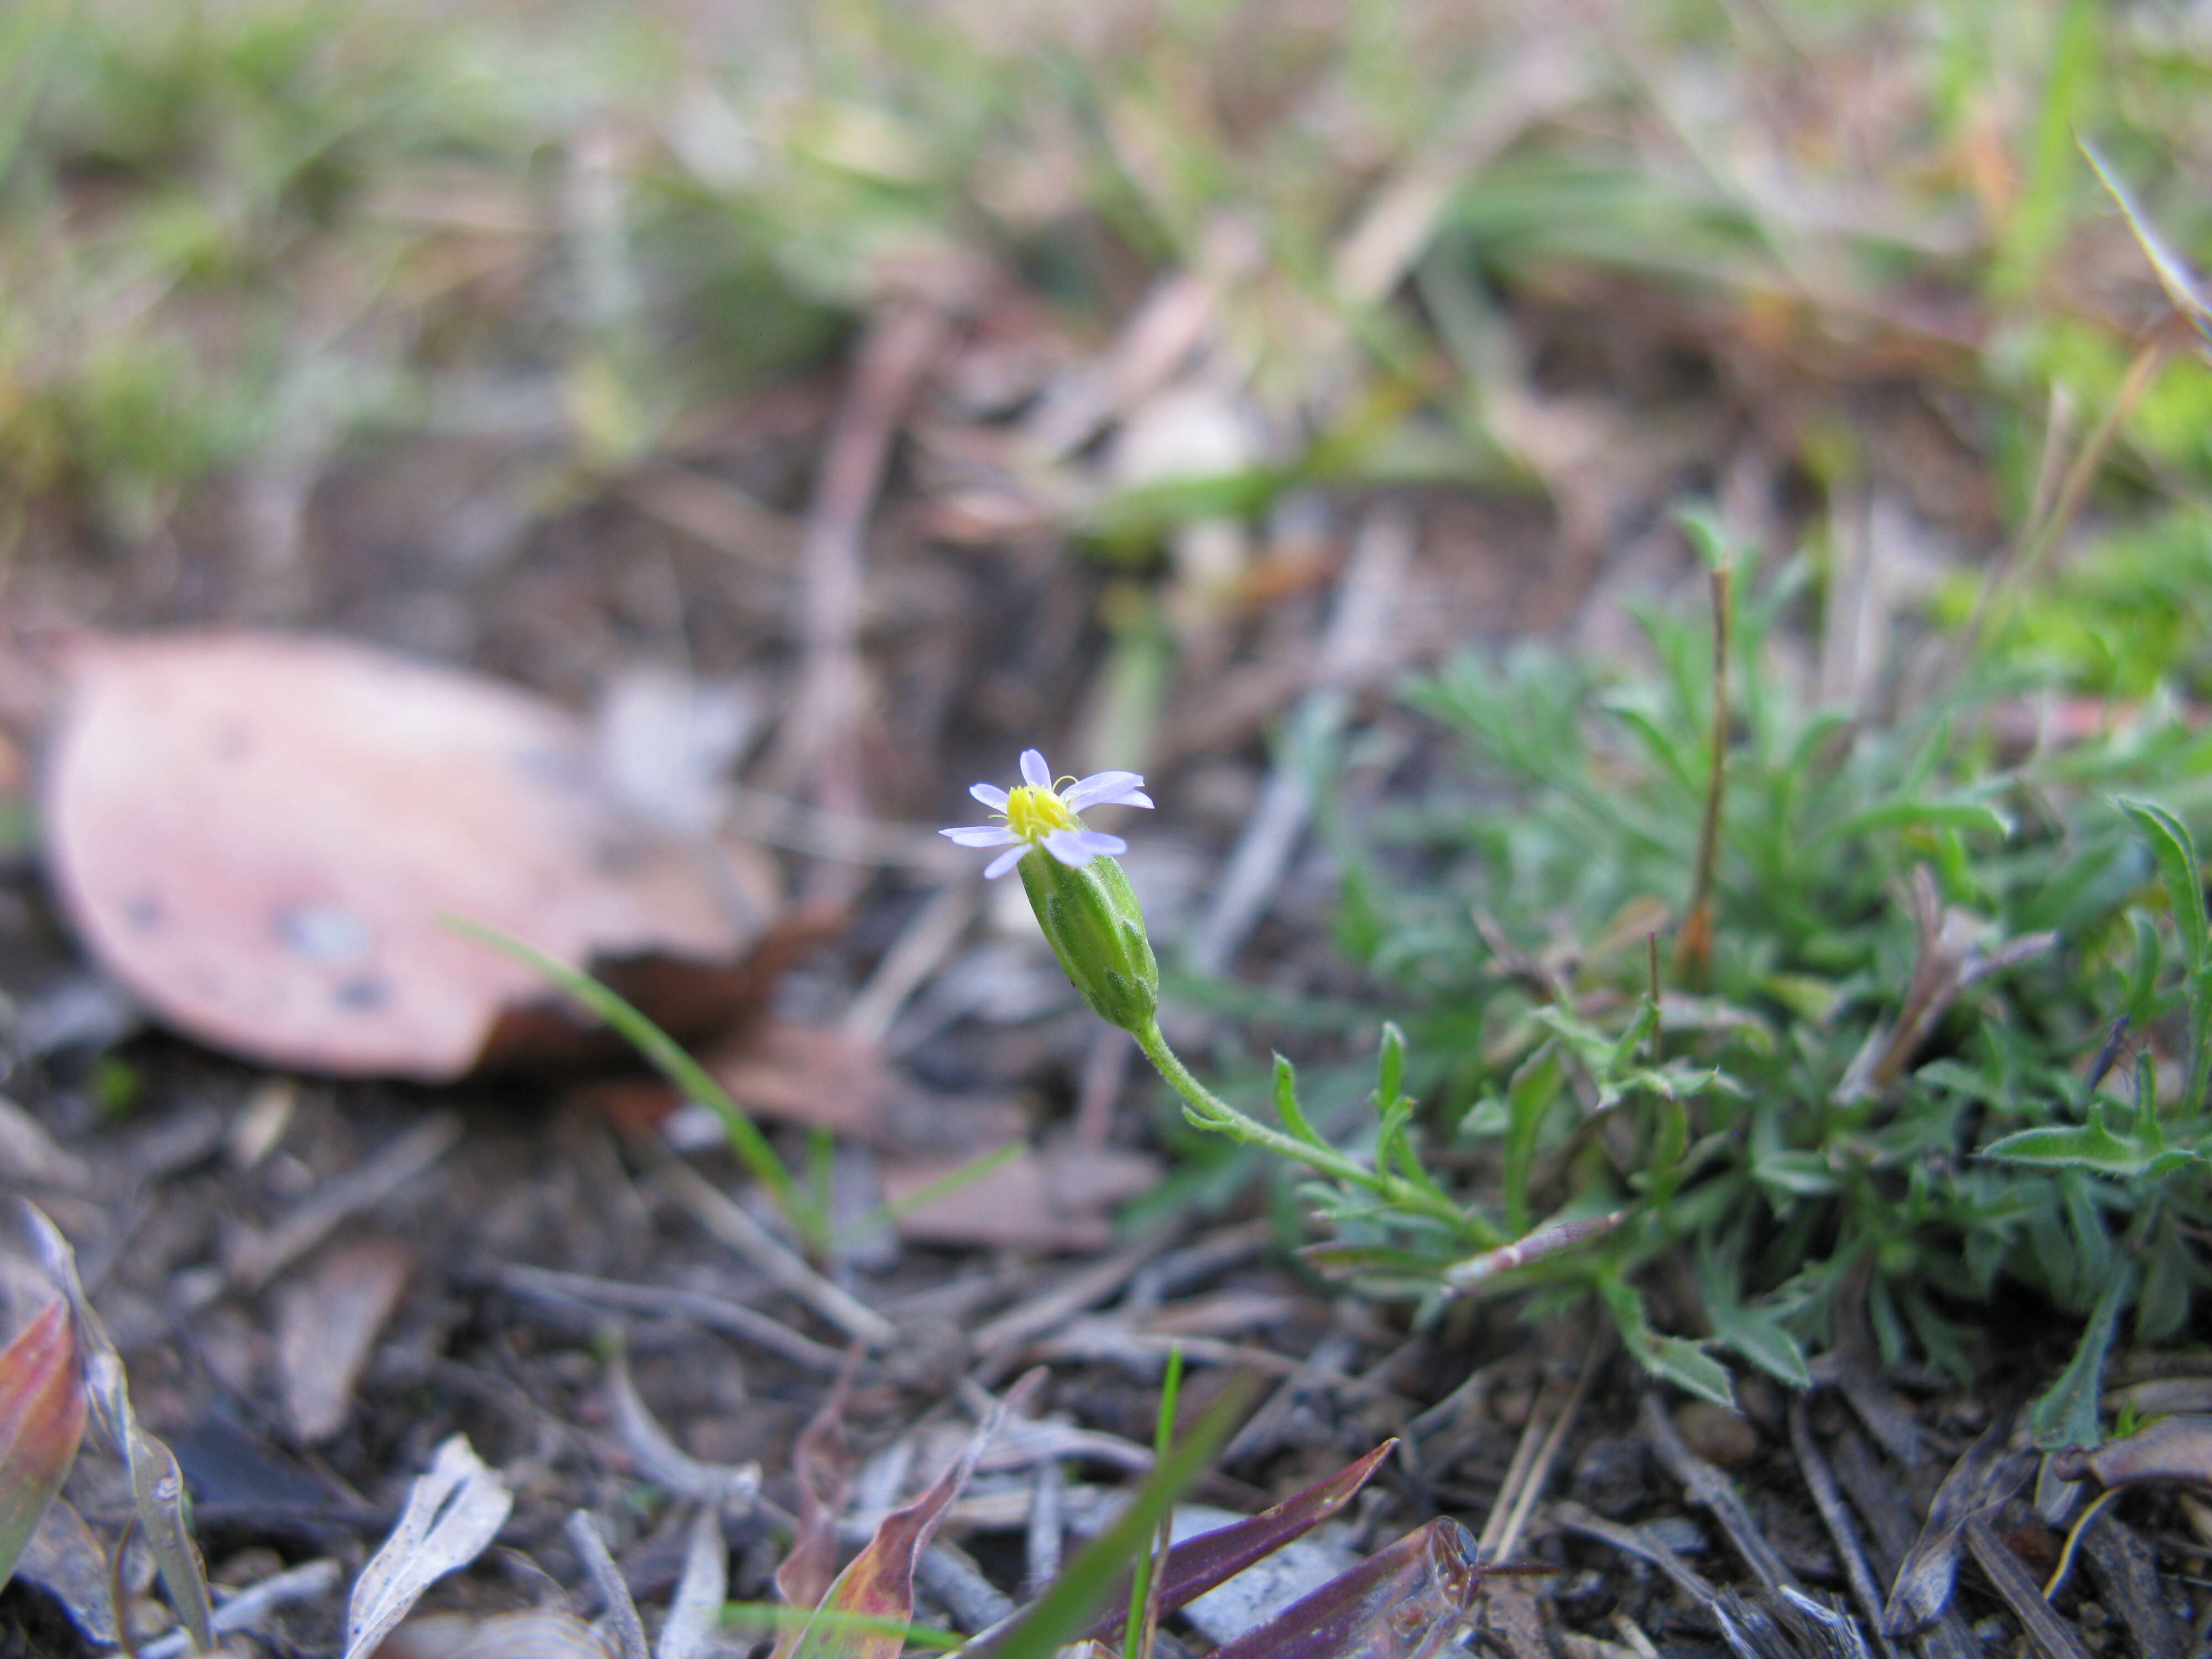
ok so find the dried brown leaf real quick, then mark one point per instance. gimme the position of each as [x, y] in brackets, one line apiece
[258, 835]
[327, 1324]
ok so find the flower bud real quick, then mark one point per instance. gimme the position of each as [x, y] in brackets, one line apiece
[1096, 928]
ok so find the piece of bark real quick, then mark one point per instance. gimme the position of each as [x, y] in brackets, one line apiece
[328, 1323]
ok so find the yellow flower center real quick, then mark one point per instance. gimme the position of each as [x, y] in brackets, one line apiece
[1032, 813]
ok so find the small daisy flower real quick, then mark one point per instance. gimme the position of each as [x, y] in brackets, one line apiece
[1038, 814]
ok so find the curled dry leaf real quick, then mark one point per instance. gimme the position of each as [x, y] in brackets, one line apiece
[157, 1485]
[1407, 1602]
[1197, 1565]
[535, 1633]
[454, 1512]
[258, 835]
[2172, 1448]
[877, 1583]
[42, 1410]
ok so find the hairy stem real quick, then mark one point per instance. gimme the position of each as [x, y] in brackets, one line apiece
[1208, 1110]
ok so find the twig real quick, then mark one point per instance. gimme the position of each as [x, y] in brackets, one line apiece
[2052, 1637]
[1820, 1481]
[1710, 1490]
[1639, 1542]
[2033, 550]
[302, 1584]
[1532, 1484]
[714, 1212]
[254, 1259]
[914, 956]
[716, 1313]
[1087, 1287]
[607, 1579]
[827, 834]
[818, 752]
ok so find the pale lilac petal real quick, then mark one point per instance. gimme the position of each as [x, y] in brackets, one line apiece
[1102, 789]
[1068, 846]
[1006, 862]
[990, 794]
[981, 834]
[1035, 772]
[1099, 841]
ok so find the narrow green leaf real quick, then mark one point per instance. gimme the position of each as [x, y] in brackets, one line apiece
[2171, 845]
[1286, 1104]
[1390, 1066]
[2182, 287]
[667, 1056]
[1039, 1631]
[2176, 853]
[775, 1616]
[1672, 1359]
[2089, 1146]
[1760, 1337]
[1528, 1101]
[1965, 815]
[2067, 1414]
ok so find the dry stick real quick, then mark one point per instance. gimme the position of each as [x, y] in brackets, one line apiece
[2051, 1636]
[1820, 1481]
[1501, 1512]
[1532, 1485]
[1693, 948]
[607, 1578]
[255, 1259]
[1713, 1492]
[696, 1307]
[714, 1211]
[914, 956]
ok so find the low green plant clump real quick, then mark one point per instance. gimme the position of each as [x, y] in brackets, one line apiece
[1824, 1009]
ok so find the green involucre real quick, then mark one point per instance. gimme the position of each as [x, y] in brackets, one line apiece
[1097, 929]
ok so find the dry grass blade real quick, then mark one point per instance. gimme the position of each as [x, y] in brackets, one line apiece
[42, 1409]
[1200, 1564]
[823, 1464]
[454, 1512]
[718, 1485]
[1403, 1602]
[1820, 1481]
[694, 1612]
[2174, 275]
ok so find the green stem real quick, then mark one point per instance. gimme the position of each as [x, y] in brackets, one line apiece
[1208, 1110]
